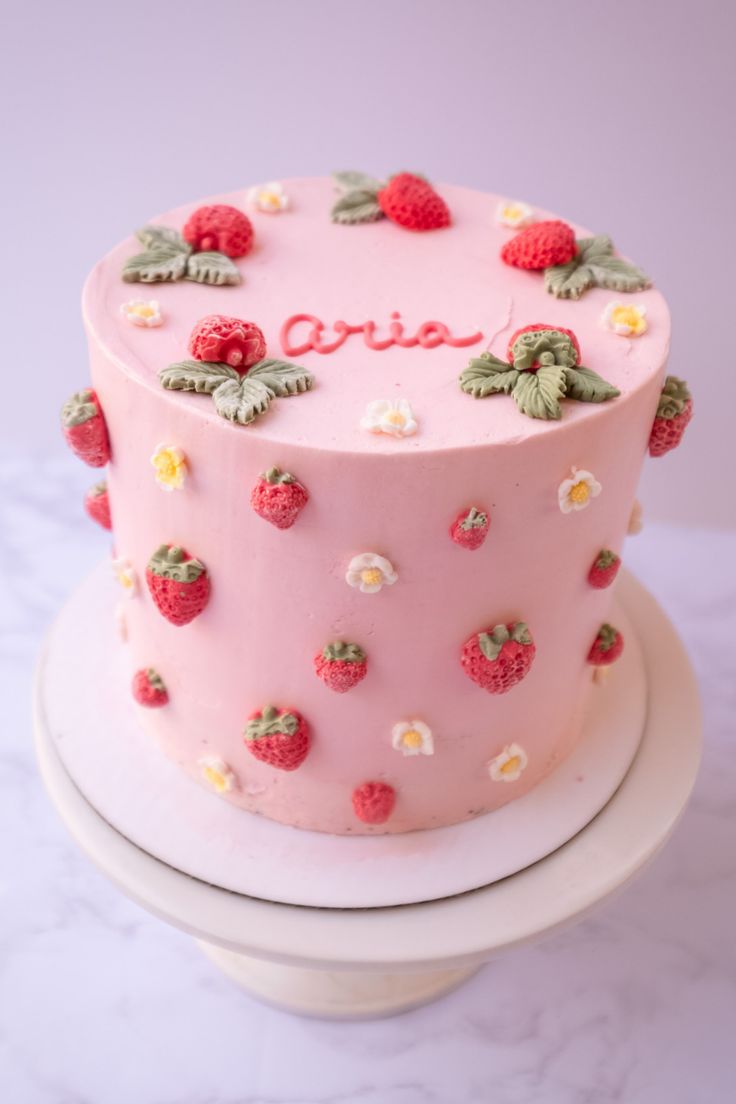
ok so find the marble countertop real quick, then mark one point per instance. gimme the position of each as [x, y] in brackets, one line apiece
[100, 1003]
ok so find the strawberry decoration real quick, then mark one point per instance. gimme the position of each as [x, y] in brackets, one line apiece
[470, 528]
[341, 666]
[149, 689]
[607, 646]
[279, 737]
[279, 498]
[604, 569]
[674, 411]
[373, 802]
[211, 237]
[540, 245]
[543, 368]
[231, 365]
[179, 584]
[85, 428]
[221, 228]
[498, 658]
[97, 504]
[405, 198]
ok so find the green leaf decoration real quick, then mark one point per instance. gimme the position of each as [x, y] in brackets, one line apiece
[674, 397]
[585, 385]
[352, 181]
[520, 633]
[543, 347]
[357, 206]
[196, 375]
[538, 394]
[594, 266]
[211, 268]
[156, 266]
[487, 375]
[282, 377]
[271, 723]
[242, 401]
[491, 643]
[162, 237]
[346, 653]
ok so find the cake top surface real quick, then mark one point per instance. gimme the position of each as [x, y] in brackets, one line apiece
[436, 299]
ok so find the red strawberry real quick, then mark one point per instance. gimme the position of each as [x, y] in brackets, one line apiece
[607, 646]
[604, 569]
[220, 228]
[535, 328]
[413, 203]
[149, 689]
[97, 505]
[227, 341]
[499, 657]
[341, 666]
[279, 498]
[470, 528]
[85, 428]
[674, 411]
[373, 802]
[540, 245]
[179, 584]
[279, 737]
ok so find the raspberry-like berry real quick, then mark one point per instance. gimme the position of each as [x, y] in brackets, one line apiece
[219, 228]
[227, 341]
[541, 245]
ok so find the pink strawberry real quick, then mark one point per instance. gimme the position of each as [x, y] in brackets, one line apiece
[470, 528]
[341, 666]
[413, 203]
[97, 505]
[674, 411]
[85, 428]
[221, 228]
[149, 689]
[373, 802]
[540, 245]
[499, 657]
[179, 584]
[604, 569]
[607, 646]
[279, 498]
[231, 341]
[279, 737]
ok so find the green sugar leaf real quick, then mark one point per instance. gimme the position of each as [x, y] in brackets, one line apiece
[211, 268]
[538, 394]
[487, 375]
[165, 263]
[242, 401]
[282, 377]
[162, 237]
[352, 181]
[585, 385]
[357, 206]
[594, 266]
[196, 375]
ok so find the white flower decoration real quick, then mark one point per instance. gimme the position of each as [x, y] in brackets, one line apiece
[121, 623]
[392, 416]
[142, 312]
[171, 466]
[216, 773]
[509, 765]
[270, 197]
[636, 519]
[412, 738]
[575, 493]
[125, 574]
[627, 319]
[370, 572]
[513, 213]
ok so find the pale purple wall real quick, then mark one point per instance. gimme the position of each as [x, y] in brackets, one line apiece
[619, 115]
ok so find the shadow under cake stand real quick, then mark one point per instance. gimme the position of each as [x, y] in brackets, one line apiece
[347, 949]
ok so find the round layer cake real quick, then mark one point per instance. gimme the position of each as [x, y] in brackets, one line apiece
[366, 539]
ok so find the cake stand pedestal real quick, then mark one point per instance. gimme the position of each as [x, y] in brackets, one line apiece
[363, 963]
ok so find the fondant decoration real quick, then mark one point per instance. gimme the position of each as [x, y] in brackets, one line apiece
[279, 737]
[167, 257]
[179, 584]
[604, 569]
[470, 528]
[279, 498]
[216, 773]
[428, 336]
[142, 312]
[170, 465]
[543, 367]
[607, 646]
[85, 428]
[149, 689]
[576, 492]
[240, 378]
[373, 802]
[121, 623]
[499, 657]
[674, 411]
[636, 519]
[341, 666]
[513, 213]
[392, 416]
[220, 229]
[270, 197]
[629, 321]
[406, 199]
[370, 572]
[509, 764]
[126, 576]
[412, 738]
[97, 504]
[541, 245]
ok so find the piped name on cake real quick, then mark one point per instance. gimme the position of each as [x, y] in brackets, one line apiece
[312, 330]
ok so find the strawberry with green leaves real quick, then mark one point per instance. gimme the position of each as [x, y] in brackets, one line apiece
[470, 528]
[407, 199]
[604, 569]
[341, 666]
[279, 498]
[607, 646]
[178, 583]
[85, 428]
[97, 504]
[279, 737]
[149, 689]
[500, 657]
[674, 411]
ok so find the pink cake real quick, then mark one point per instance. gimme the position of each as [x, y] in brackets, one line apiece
[365, 531]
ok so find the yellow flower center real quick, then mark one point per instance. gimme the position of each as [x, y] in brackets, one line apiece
[142, 310]
[269, 199]
[216, 779]
[395, 418]
[580, 492]
[511, 766]
[628, 316]
[412, 738]
[125, 579]
[371, 576]
[512, 211]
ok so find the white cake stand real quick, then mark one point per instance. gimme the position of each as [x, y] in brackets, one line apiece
[361, 963]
